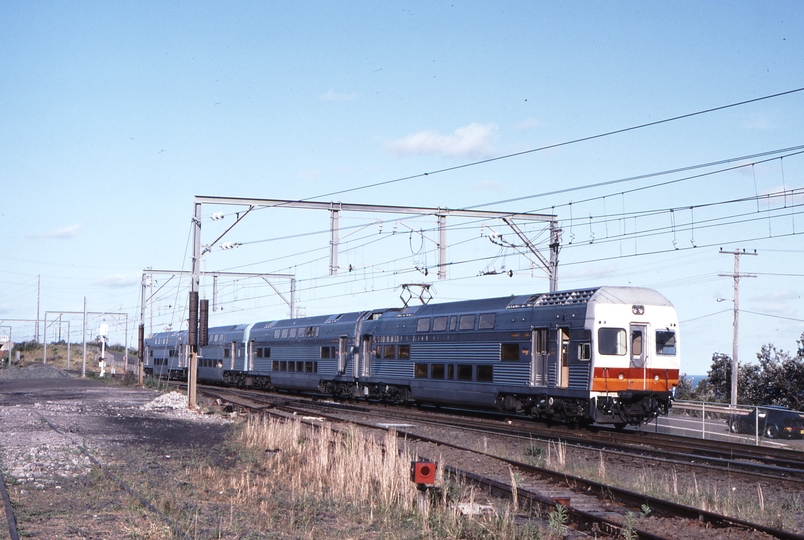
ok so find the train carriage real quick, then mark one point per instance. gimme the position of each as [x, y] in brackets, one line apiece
[221, 360]
[604, 354]
[164, 355]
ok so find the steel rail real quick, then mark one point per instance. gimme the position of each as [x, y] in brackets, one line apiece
[12, 520]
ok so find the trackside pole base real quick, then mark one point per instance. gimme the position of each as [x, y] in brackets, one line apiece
[423, 474]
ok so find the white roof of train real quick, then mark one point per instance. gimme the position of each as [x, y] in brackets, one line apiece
[630, 295]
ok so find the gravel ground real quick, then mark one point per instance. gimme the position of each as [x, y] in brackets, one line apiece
[56, 489]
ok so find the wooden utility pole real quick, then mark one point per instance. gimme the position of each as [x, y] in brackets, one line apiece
[736, 329]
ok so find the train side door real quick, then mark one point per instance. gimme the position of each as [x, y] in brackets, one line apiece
[538, 358]
[366, 355]
[343, 343]
[639, 350]
[562, 358]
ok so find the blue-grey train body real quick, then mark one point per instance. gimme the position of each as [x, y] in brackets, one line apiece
[605, 354]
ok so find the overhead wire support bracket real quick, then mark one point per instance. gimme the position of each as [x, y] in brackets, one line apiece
[335, 208]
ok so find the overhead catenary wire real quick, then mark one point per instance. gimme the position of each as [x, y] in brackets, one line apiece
[375, 272]
[583, 139]
[561, 144]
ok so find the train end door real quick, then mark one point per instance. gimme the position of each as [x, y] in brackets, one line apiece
[640, 355]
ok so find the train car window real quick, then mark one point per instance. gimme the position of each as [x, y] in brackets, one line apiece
[324, 352]
[300, 367]
[259, 352]
[464, 372]
[226, 353]
[404, 352]
[453, 323]
[277, 333]
[266, 352]
[308, 367]
[311, 331]
[485, 373]
[636, 343]
[283, 366]
[584, 352]
[423, 324]
[487, 321]
[451, 371]
[284, 333]
[467, 322]
[291, 367]
[420, 371]
[275, 365]
[317, 330]
[389, 351]
[665, 342]
[440, 324]
[437, 371]
[611, 341]
[315, 367]
[509, 352]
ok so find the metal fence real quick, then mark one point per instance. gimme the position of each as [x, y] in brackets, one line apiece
[713, 421]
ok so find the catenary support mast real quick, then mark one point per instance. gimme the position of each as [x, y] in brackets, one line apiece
[735, 369]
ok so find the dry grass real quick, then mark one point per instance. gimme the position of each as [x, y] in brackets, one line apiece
[712, 494]
[294, 481]
[345, 468]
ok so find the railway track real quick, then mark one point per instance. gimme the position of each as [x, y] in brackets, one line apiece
[10, 517]
[747, 462]
[591, 506]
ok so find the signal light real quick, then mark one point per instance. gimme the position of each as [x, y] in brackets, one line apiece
[192, 321]
[140, 341]
[203, 323]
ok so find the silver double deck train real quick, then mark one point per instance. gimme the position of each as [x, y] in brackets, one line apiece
[607, 354]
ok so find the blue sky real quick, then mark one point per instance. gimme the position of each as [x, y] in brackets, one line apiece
[115, 115]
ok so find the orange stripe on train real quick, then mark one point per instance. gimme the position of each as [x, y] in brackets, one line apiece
[619, 379]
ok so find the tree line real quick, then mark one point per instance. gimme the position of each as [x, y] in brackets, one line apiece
[777, 379]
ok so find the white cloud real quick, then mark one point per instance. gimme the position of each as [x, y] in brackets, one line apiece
[761, 122]
[117, 281]
[331, 95]
[70, 231]
[780, 196]
[529, 123]
[309, 174]
[468, 141]
[487, 184]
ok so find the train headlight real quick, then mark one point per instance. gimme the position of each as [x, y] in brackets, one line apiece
[638, 309]
[620, 376]
[655, 377]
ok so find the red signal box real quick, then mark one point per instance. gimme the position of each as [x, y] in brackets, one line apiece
[423, 472]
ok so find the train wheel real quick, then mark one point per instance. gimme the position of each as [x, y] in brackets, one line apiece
[619, 426]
